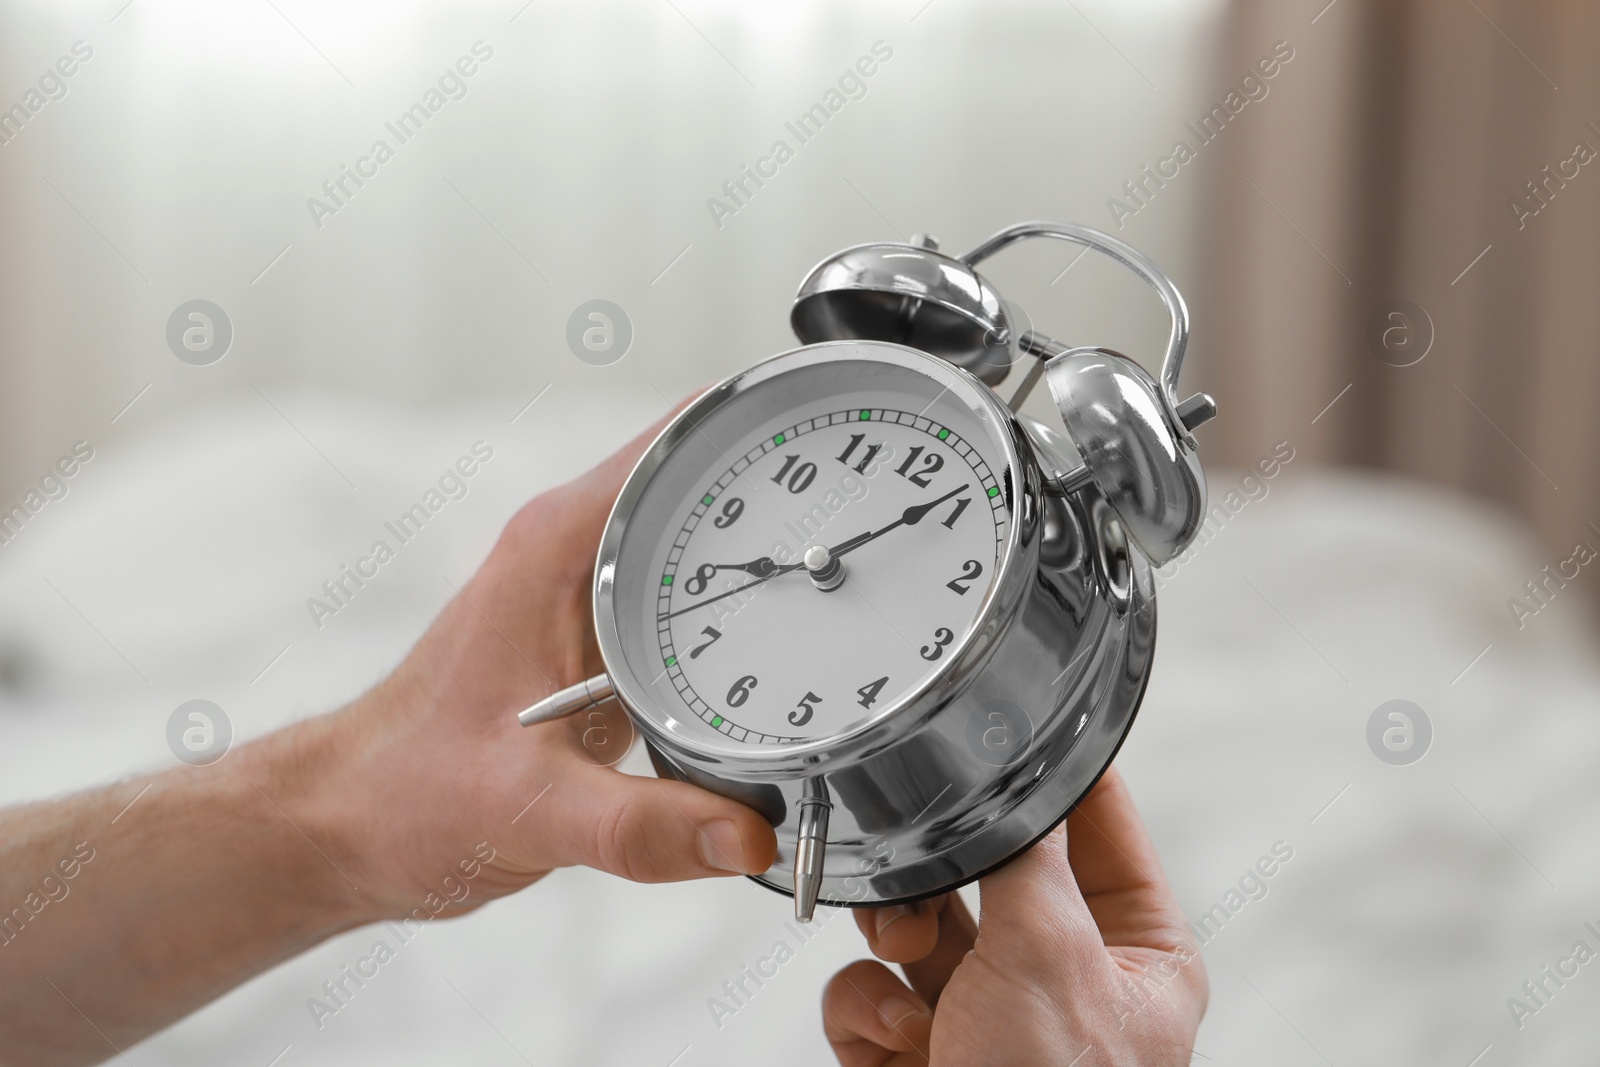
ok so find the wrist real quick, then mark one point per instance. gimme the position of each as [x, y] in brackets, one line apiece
[294, 778]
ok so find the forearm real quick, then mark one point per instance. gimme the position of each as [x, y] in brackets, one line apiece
[124, 908]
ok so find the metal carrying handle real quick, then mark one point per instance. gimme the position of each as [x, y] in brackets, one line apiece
[1196, 409]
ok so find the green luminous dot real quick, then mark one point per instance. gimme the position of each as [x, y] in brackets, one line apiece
[943, 434]
[778, 440]
[672, 661]
[666, 579]
[717, 721]
[865, 415]
[706, 499]
[994, 490]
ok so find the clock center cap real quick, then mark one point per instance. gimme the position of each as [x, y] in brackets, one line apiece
[827, 573]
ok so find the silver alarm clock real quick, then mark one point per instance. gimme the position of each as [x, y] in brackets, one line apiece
[855, 589]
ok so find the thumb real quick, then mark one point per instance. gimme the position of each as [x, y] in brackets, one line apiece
[1033, 916]
[654, 830]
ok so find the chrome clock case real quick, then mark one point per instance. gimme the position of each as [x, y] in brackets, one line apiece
[1030, 708]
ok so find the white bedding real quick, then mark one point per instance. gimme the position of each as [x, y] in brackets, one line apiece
[179, 565]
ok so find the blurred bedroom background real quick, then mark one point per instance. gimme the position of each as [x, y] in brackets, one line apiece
[1383, 219]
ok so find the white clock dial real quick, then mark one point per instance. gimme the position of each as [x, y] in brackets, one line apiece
[899, 492]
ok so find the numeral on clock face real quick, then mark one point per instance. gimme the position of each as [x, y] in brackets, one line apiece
[802, 477]
[930, 463]
[941, 637]
[741, 691]
[802, 715]
[712, 633]
[869, 692]
[866, 457]
[961, 505]
[969, 571]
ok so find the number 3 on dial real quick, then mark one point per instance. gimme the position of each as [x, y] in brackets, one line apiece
[941, 637]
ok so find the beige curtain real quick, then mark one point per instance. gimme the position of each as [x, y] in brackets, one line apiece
[1381, 168]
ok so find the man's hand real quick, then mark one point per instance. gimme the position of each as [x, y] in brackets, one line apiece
[433, 760]
[1081, 956]
[421, 799]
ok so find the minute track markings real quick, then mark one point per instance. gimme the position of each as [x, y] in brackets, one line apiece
[707, 502]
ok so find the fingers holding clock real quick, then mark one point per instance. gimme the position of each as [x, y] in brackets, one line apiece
[957, 933]
[1119, 873]
[648, 830]
[1034, 922]
[929, 938]
[1110, 860]
[872, 1020]
[1076, 951]
[1096, 884]
[900, 933]
[1089, 899]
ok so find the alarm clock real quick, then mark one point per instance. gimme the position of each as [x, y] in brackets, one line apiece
[854, 588]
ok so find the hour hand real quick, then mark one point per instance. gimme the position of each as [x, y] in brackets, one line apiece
[761, 569]
[764, 567]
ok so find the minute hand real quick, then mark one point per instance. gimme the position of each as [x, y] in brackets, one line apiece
[910, 517]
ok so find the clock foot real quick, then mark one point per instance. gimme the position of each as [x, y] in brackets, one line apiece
[811, 849]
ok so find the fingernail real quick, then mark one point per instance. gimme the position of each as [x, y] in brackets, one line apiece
[720, 847]
[897, 1010]
[887, 917]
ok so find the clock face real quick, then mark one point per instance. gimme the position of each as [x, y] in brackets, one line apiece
[814, 550]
